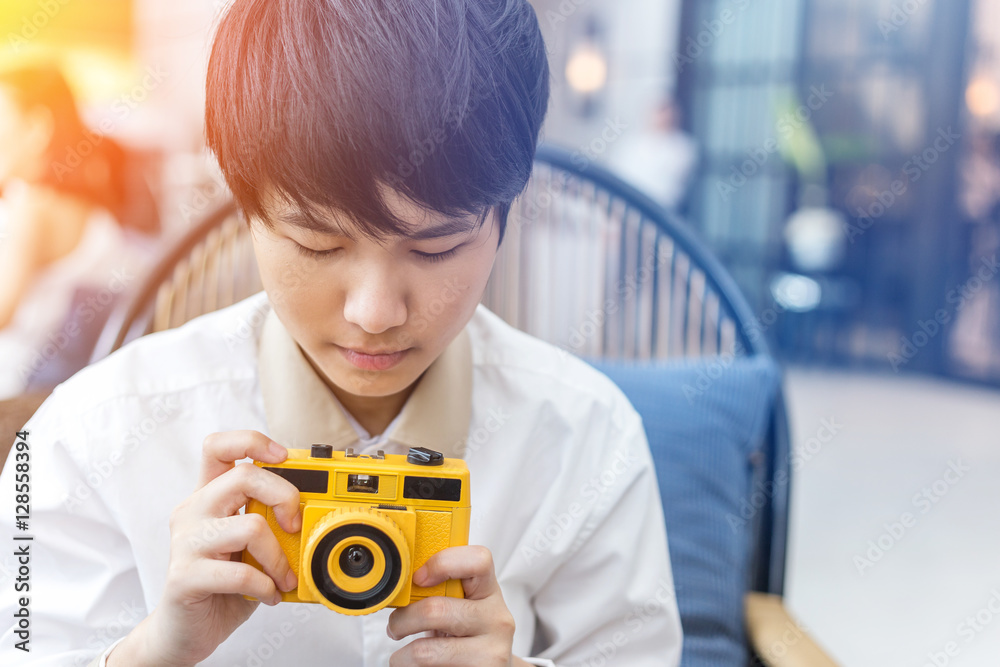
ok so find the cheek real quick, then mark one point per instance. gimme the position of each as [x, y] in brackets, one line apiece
[442, 301]
[449, 301]
[285, 276]
[285, 283]
[476, 273]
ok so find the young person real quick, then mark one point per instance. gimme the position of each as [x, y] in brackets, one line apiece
[67, 215]
[375, 148]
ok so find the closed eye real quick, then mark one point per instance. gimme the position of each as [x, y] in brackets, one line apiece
[314, 254]
[437, 256]
[426, 256]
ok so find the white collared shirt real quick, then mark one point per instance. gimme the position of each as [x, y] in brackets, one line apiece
[563, 494]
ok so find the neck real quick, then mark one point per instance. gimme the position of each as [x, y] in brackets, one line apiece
[374, 413]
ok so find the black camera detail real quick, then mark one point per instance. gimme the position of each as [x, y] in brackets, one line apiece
[321, 452]
[356, 561]
[306, 481]
[432, 488]
[422, 456]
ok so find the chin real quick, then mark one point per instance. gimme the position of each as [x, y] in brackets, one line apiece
[373, 384]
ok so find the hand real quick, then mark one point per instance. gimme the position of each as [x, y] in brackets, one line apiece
[202, 602]
[477, 631]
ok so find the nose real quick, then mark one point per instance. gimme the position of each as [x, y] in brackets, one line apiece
[376, 302]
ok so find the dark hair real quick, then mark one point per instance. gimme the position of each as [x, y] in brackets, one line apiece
[99, 178]
[327, 101]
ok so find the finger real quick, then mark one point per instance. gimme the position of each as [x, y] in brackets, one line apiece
[217, 537]
[472, 564]
[453, 652]
[220, 451]
[207, 576]
[458, 618]
[224, 495]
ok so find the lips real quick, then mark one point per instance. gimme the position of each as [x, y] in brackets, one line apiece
[373, 361]
[374, 353]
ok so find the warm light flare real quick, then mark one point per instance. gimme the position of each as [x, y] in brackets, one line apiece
[982, 97]
[91, 41]
[587, 69]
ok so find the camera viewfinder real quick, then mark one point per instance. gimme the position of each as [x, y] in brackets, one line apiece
[362, 483]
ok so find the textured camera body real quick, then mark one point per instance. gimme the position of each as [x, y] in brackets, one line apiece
[368, 523]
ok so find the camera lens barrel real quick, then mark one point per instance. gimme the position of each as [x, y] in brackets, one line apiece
[356, 560]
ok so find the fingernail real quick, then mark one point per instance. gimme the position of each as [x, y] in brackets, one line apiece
[291, 581]
[297, 522]
[276, 450]
[420, 576]
[276, 599]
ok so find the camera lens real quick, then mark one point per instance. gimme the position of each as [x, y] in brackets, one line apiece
[356, 561]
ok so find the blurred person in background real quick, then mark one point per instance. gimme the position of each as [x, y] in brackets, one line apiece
[977, 300]
[65, 255]
[660, 159]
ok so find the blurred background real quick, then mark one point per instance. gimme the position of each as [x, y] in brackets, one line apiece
[841, 158]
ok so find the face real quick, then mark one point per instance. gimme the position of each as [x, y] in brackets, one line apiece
[371, 316]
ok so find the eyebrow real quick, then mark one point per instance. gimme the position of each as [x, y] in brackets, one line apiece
[449, 227]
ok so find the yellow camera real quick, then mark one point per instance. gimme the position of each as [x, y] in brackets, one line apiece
[368, 523]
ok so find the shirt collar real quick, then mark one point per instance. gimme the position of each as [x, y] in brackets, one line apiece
[301, 410]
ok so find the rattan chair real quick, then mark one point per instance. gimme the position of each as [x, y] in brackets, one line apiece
[578, 239]
[210, 267]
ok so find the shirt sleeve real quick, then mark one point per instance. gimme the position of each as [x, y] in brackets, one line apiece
[75, 575]
[103, 662]
[627, 616]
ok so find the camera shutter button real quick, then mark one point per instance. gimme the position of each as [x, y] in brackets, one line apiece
[422, 456]
[321, 452]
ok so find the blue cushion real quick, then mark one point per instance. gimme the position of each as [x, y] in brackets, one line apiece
[705, 420]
